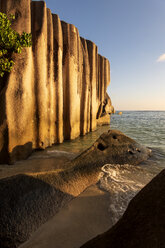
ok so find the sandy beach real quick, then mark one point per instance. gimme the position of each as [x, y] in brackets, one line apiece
[82, 219]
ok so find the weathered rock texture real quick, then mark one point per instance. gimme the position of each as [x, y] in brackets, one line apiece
[112, 147]
[143, 223]
[56, 88]
[27, 201]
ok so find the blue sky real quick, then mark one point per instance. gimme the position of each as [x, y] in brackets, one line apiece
[131, 34]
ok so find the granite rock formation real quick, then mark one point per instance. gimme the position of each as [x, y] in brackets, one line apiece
[112, 147]
[56, 87]
[27, 201]
[143, 223]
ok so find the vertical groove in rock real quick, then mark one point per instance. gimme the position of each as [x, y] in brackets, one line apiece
[80, 83]
[66, 88]
[71, 81]
[102, 79]
[92, 53]
[85, 113]
[58, 76]
[39, 32]
[50, 81]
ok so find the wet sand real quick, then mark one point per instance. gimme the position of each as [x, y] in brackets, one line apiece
[82, 219]
[39, 161]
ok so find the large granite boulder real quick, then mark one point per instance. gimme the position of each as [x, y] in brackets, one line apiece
[112, 147]
[108, 107]
[143, 223]
[104, 120]
[105, 107]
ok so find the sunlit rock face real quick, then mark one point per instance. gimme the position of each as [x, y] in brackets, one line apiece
[57, 89]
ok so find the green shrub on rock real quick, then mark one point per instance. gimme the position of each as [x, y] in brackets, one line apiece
[10, 42]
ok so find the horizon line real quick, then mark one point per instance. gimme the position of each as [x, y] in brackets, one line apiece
[139, 110]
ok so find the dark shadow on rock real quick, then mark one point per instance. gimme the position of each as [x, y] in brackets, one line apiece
[20, 152]
[143, 223]
[4, 155]
[25, 203]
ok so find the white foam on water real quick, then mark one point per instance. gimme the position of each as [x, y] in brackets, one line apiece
[122, 182]
[50, 154]
[58, 152]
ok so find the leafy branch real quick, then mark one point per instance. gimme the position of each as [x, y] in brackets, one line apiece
[10, 42]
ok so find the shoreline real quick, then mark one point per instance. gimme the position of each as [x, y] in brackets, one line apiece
[37, 196]
[36, 165]
[81, 219]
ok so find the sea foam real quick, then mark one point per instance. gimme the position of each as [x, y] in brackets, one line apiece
[122, 182]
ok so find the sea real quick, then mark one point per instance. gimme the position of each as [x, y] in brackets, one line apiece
[123, 182]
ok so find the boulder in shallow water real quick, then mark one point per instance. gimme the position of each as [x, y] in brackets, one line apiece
[104, 120]
[143, 223]
[113, 147]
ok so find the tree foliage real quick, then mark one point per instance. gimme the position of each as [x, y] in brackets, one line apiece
[10, 42]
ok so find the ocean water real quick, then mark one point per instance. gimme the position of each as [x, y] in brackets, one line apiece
[123, 182]
[147, 128]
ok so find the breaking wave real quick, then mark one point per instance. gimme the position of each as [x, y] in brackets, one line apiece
[122, 182]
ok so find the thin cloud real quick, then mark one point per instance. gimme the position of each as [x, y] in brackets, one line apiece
[161, 58]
